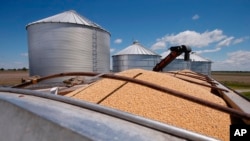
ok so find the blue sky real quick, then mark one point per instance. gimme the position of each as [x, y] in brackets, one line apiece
[218, 30]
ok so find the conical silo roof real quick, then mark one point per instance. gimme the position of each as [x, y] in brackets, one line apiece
[195, 57]
[70, 16]
[136, 48]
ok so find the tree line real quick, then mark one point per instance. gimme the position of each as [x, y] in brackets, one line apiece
[18, 69]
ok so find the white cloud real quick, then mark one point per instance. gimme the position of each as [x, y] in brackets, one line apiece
[238, 60]
[215, 40]
[236, 41]
[190, 38]
[198, 40]
[225, 42]
[158, 45]
[112, 50]
[24, 54]
[208, 50]
[239, 40]
[118, 41]
[196, 17]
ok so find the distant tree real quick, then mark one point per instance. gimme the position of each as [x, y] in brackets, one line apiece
[24, 69]
[2, 69]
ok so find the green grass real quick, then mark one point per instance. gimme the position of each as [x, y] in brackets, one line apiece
[247, 94]
[238, 73]
[236, 85]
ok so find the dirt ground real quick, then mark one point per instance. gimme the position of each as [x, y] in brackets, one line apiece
[11, 78]
[233, 77]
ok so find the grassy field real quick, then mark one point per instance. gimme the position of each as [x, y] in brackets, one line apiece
[239, 81]
[235, 80]
[247, 94]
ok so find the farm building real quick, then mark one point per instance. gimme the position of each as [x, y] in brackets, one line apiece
[196, 63]
[135, 56]
[67, 42]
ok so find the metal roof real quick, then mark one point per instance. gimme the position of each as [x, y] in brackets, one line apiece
[196, 57]
[136, 48]
[193, 57]
[70, 16]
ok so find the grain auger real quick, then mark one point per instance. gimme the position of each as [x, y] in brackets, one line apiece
[175, 52]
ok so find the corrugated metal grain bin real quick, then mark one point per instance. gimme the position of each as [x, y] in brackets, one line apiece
[67, 42]
[135, 56]
[196, 63]
[203, 67]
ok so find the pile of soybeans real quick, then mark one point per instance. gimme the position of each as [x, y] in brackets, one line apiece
[159, 106]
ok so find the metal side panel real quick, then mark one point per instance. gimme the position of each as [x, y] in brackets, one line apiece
[234, 100]
[29, 118]
[17, 124]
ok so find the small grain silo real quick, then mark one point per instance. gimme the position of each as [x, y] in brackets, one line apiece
[177, 64]
[196, 63]
[135, 56]
[200, 64]
[67, 42]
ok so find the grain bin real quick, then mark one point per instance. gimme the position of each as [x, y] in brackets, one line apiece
[196, 63]
[67, 42]
[200, 64]
[135, 56]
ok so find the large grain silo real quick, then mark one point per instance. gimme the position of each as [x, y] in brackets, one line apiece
[196, 63]
[135, 56]
[67, 42]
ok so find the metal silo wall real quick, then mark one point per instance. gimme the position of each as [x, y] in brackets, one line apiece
[103, 52]
[60, 47]
[201, 67]
[125, 62]
[177, 64]
[196, 66]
